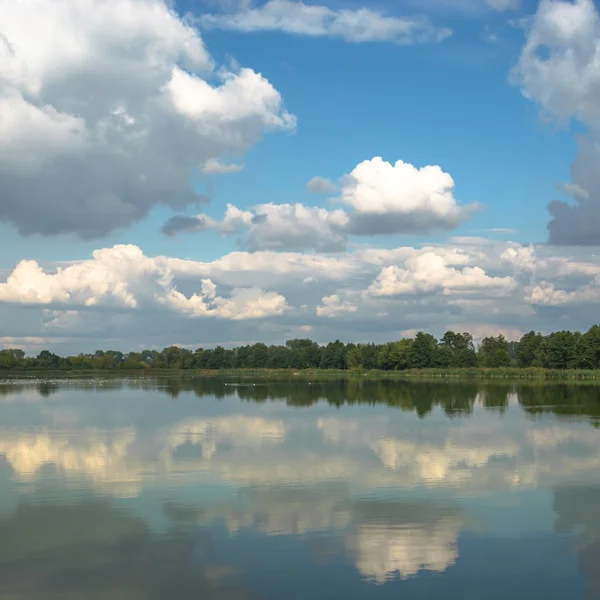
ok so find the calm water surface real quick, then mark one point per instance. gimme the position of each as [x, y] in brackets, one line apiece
[232, 490]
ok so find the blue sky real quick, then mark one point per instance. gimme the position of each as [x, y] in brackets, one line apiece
[449, 104]
[482, 94]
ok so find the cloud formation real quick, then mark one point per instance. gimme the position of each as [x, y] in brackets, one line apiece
[274, 227]
[473, 285]
[559, 69]
[314, 20]
[333, 306]
[321, 185]
[429, 272]
[400, 198]
[213, 166]
[106, 116]
[123, 278]
[383, 199]
[576, 222]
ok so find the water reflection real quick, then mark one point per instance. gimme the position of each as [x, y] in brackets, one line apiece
[577, 509]
[403, 539]
[93, 550]
[455, 398]
[249, 444]
[365, 483]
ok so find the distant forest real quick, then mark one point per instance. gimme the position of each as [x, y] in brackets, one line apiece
[558, 350]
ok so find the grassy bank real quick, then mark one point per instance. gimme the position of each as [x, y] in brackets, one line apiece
[508, 374]
[438, 374]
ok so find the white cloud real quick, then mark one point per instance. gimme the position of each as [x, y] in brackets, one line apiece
[107, 107]
[559, 69]
[501, 230]
[295, 227]
[478, 9]
[333, 306]
[559, 66]
[321, 185]
[112, 300]
[429, 273]
[547, 294]
[352, 25]
[234, 220]
[575, 190]
[522, 257]
[274, 227]
[213, 166]
[123, 278]
[384, 199]
[400, 198]
[526, 259]
[275, 267]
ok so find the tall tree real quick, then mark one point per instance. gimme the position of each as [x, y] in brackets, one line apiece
[529, 346]
[422, 350]
[493, 352]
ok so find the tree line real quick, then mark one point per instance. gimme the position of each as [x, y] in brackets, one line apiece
[558, 350]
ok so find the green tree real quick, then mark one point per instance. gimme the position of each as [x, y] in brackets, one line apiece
[258, 356]
[383, 357]
[529, 346]
[561, 350]
[457, 341]
[465, 358]
[370, 353]
[334, 356]
[400, 354]
[443, 356]
[462, 350]
[241, 357]
[422, 351]
[173, 357]
[279, 357]
[354, 357]
[588, 353]
[47, 360]
[7, 360]
[305, 353]
[493, 352]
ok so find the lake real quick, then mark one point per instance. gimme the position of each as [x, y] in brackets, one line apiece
[179, 488]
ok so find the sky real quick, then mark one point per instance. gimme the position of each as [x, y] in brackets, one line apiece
[210, 172]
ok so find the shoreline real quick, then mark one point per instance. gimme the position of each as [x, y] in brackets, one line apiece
[508, 374]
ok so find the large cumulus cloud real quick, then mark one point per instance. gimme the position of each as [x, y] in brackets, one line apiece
[559, 69]
[123, 278]
[400, 198]
[107, 108]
